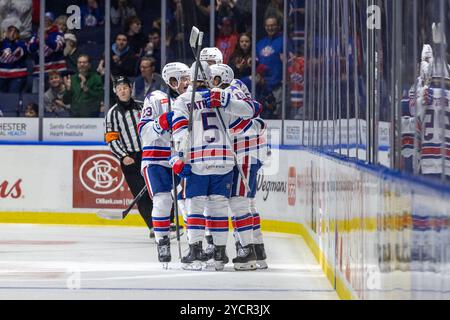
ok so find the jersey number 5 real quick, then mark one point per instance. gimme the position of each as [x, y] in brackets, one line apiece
[209, 128]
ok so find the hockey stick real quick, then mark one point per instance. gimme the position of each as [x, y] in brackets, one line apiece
[227, 135]
[195, 41]
[175, 198]
[114, 215]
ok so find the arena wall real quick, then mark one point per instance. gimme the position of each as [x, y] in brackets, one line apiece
[376, 233]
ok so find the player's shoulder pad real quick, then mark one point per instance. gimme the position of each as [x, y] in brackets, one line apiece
[237, 82]
[156, 96]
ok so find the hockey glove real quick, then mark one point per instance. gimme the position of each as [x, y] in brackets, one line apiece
[163, 122]
[428, 97]
[206, 98]
[179, 167]
[220, 98]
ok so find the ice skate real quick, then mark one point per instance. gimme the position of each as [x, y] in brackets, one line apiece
[220, 257]
[246, 259]
[164, 251]
[209, 251]
[195, 258]
[260, 256]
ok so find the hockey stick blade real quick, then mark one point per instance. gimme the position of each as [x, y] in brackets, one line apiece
[110, 215]
[116, 215]
[194, 37]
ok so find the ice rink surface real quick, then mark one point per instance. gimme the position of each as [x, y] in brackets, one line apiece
[71, 262]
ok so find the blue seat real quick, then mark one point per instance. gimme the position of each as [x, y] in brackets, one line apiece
[9, 104]
[26, 99]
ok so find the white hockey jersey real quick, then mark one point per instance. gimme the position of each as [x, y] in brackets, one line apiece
[436, 141]
[155, 147]
[250, 135]
[207, 148]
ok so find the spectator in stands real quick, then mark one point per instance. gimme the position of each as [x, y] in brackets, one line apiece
[32, 110]
[269, 52]
[13, 53]
[20, 9]
[92, 14]
[121, 11]
[227, 39]
[243, 12]
[241, 60]
[225, 9]
[61, 23]
[53, 97]
[53, 50]
[275, 9]
[196, 13]
[263, 94]
[123, 60]
[71, 52]
[136, 38]
[84, 90]
[148, 81]
[153, 48]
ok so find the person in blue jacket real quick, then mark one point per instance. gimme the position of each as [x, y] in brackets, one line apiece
[13, 53]
[269, 52]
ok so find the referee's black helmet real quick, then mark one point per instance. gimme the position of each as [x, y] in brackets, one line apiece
[121, 80]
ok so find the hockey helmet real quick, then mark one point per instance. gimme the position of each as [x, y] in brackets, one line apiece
[202, 75]
[211, 54]
[224, 72]
[175, 70]
[121, 80]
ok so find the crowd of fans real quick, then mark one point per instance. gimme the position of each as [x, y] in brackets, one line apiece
[74, 59]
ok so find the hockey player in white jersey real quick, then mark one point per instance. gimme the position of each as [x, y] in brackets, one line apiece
[434, 115]
[206, 160]
[250, 145]
[154, 127]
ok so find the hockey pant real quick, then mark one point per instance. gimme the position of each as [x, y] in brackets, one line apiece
[242, 220]
[216, 220]
[257, 234]
[243, 205]
[159, 183]
[162, 205]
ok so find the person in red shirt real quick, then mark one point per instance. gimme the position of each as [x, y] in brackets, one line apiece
[227, 39]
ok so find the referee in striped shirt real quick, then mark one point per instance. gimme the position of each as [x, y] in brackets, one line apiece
[123, 140]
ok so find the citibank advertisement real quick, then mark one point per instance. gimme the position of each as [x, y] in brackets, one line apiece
[98, 181]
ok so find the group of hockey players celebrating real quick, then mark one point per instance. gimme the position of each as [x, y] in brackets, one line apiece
[207, 130]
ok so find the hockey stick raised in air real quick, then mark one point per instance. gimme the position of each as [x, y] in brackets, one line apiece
[114, 215]
[195, 41]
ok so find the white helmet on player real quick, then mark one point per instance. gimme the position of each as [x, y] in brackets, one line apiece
[176, 70]
[223, 72]
[211, 54]
[201, 76]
